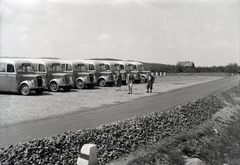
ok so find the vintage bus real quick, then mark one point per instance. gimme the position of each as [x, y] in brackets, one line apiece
[128, 67]
[114, 66]
[52, 73]
[81, 77]
[104, 77]
[18, 75]
[67, 68]
[138, 66]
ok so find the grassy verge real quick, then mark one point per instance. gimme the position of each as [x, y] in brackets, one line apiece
[214, 142]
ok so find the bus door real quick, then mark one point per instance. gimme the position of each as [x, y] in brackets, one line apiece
[3, 76]
[12, 81]
[40, 69]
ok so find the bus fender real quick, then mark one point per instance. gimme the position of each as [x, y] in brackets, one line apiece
[80, 78]
[28, 82]
[102, 77]
[55, 80]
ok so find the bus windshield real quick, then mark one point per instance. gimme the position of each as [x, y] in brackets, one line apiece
[107, 67]
[134, 67]
[102, 67]
[128, 67]
[115, 67]
[55, 68]
[141, 68]
[91, 67]
[25, 69]
[80, 68]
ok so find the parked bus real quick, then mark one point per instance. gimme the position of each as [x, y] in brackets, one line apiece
[17, 75]
[128, 67]
[81, 77]
[104, 77]
[52, 73]
[138, 66]
[114, 66]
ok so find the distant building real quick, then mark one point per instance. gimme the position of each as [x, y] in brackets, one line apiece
[186, 64]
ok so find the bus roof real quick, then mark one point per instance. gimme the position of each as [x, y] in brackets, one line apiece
[15, 61]
[44, 61]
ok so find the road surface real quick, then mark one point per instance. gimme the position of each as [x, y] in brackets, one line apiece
[161, 102]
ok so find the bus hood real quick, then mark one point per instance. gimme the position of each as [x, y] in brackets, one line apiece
[59, 75]
[80, 74]
[29, 76]
[105, 73]
[135, 72]
[144, 72]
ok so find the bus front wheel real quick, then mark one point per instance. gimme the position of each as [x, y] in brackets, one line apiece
[53, 87]
[102, 82]
[79, 84]
[25, 90]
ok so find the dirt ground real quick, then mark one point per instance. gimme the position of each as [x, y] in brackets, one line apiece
[17, 108]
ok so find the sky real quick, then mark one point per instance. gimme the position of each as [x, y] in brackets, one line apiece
[205, 32]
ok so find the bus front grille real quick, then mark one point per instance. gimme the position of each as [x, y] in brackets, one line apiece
[91, 78]
[39, 81]
[67, 81]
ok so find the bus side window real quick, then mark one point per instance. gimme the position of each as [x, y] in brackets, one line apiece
[35, 67]
[10, 68]
[68, 67]
[63, 67]
[2, 67]
[41, 68]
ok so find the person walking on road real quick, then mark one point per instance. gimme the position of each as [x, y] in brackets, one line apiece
[118, 81]
[130, 80]
[150, 81]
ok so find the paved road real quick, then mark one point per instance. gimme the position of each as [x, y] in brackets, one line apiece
[161, 102]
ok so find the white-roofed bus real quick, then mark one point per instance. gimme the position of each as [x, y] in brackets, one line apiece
[82, 77]
[18, 75]
[114, 66]
[53, 74]
[138, 66]
[128, 67]
[104, 77]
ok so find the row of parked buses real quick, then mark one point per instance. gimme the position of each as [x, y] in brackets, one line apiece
[24, 75]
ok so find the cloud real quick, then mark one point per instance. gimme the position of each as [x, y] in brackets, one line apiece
[23, 6]
[106, 42]
[103, 37]
[107, 2]
[207, 27]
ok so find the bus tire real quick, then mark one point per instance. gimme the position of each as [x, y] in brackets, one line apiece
[79, 84]
[53, 86]
[25, 90]
[143, 79]
[102, 83]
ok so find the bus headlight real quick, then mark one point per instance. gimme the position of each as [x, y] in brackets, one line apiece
[43, 81]
[61, 80]
[32, 81]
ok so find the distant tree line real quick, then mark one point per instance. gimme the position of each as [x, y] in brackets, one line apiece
[156, 67]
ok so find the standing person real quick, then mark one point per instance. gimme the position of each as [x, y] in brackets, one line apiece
[130, 80]
[118, 81]
[150, 80]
